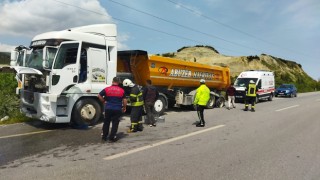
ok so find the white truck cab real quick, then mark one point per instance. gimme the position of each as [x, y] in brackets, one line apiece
[264, 80]
[65, 71]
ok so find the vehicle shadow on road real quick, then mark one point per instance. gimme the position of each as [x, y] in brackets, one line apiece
[48, 126]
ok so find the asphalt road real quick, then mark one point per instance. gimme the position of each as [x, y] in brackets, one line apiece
[278, 141]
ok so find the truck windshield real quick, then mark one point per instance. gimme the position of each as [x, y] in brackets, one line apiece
[35, 58]
[243, 82]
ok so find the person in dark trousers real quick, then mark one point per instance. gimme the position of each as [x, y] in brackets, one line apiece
[250, 96]
[230, 92]
[200, 101]
[115, 104]
[150, 95]
[136, 100]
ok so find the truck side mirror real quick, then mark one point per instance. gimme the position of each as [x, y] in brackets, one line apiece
[13, 58]
[45, 61]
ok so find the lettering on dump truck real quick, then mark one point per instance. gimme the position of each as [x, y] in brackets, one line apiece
[180, 73]
[189, 74]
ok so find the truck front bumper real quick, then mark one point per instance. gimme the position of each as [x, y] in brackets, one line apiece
[41, 106]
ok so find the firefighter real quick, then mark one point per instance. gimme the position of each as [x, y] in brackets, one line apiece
[136, 100]
[250, 95]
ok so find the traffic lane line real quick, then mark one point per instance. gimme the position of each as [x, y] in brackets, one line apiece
[160, 143]
[287, 108]
[25, 134]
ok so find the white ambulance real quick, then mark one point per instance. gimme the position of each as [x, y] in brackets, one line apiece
[264, 81]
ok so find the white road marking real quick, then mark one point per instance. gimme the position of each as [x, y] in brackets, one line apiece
[287, 108]
[160, 143]
[24, 134]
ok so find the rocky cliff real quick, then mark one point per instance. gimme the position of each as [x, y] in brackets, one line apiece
[286, 71]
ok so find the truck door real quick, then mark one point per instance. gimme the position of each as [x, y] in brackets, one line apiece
[65, 69]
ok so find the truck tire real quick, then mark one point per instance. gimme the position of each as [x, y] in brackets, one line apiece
[160, 105]
[211, 101]
[270, 97]
[86, 112]
[220, 102]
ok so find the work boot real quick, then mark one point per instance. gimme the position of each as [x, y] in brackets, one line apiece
[200, 125]
[252, 110]
[133, 128]
[140, 127]
[246, 109]
[112, 140]
[103, 139]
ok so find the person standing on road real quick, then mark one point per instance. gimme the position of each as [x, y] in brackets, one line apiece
[115, 104]
[136, 100]
[150, 95]
[250, 95]
[230, 92]
[200, 101]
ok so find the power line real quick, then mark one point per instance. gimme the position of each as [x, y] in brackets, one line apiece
[189, 28]
[141, 26]
[235, 29]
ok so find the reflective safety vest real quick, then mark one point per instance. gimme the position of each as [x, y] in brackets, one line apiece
[202, 95]
[251, 90]
[136, 97]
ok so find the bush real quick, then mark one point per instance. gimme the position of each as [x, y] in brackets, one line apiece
[9, 101]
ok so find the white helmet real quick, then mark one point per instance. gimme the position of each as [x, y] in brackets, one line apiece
[202, 81]
[251, 81]
[127, 82]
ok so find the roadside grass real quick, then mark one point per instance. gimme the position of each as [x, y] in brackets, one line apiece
[20, 118]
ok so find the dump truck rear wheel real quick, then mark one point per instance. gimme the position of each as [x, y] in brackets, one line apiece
[160, 105]
[86, 112]
[210, 103]
[220, 102]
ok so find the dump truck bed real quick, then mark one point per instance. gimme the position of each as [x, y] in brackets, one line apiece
[170, 72]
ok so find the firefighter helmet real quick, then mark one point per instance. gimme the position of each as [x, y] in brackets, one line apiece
[127, 83]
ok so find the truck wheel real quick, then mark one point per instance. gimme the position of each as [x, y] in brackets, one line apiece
[86, 112]
[220, 102]
[257, 99]
[210, 103]
[160, 105]
[270, 97]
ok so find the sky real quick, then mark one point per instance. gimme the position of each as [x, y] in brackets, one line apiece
[287, 29]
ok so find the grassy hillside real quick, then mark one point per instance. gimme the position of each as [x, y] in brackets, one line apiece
[286, 71]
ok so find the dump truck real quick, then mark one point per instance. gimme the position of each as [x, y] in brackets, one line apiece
[175, 79]
[65, 70]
